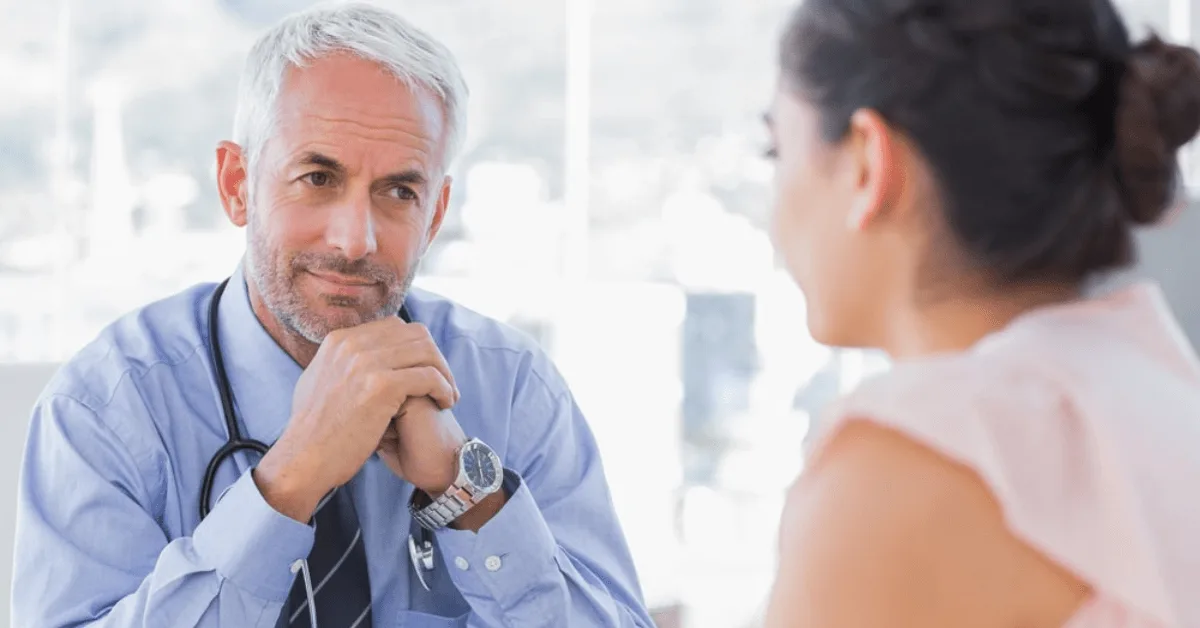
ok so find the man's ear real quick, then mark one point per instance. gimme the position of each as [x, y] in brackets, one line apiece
[231, 182]
[439, 210]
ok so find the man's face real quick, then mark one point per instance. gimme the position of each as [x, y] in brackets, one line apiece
[347, 195]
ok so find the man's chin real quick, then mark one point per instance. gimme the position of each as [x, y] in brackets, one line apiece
[333, 318]
[318, 322]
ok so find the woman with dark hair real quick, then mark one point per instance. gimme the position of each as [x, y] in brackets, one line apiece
[951, 177]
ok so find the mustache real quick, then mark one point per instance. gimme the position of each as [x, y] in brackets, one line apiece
[359, 269]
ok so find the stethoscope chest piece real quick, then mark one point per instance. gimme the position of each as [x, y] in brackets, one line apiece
[421, 555]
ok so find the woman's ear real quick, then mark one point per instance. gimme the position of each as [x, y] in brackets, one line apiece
[872, 144]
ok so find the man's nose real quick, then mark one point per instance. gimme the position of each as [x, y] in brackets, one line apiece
[351, 228]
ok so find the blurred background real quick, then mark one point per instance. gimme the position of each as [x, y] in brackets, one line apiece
[611, 201]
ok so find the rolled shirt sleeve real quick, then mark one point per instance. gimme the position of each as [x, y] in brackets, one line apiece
[250, 544]
[554, 555]
[95, 555]
[511, 554]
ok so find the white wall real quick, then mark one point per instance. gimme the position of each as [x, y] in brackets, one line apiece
[19, 387]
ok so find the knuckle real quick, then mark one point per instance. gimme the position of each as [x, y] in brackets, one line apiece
[420, 330]
[438, 381]
[374, 383]
[341, 345]
[356, 364]
[427, 376]
[352, 342]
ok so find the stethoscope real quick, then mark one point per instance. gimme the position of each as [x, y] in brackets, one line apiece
[420, 544]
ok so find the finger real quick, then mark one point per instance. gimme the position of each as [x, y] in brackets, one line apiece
[418, 405]
[388, 328]
[422, 381]
[387, 331]
[410, 354]
[395, 341]
[390, 343]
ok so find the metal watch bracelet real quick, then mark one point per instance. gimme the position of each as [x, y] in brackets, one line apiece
[441, 511]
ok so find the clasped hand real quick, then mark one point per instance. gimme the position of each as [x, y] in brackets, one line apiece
[379, 387]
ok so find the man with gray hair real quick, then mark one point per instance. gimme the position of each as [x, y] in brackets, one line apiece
[313, 441]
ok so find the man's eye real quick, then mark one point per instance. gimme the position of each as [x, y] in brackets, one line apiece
[403, 194]
[318, 179]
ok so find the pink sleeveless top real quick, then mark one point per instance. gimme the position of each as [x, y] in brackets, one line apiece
[1084, 421]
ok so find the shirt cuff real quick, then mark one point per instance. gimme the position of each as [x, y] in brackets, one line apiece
[509, 554]
[250, 544]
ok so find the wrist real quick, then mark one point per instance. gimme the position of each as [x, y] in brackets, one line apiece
[287, 488]
[438, 487]
[474, 519]
[440, 477]
[475, 496]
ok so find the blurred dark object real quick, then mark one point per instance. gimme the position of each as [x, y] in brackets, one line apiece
[719, 362]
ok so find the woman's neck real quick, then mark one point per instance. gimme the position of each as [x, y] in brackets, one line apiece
[955, 322]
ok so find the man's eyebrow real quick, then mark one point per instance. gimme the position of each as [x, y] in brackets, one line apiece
[324, 161]
[412, 177]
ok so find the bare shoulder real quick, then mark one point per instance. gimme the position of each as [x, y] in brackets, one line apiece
[882, 530]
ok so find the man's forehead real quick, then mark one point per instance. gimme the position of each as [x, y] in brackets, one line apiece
[344, 93]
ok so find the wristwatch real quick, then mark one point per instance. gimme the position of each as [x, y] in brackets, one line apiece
[480, 473]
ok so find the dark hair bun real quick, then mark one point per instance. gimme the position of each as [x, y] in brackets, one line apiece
[1159, 113]
[1048, 133]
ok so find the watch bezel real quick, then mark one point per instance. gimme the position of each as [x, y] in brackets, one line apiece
[477, 444]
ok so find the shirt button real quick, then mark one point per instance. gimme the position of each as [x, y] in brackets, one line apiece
[492, 563]
[462, 563]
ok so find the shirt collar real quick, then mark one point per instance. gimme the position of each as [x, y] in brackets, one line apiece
[262, 376]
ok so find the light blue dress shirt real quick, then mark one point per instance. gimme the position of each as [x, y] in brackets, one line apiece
[108, 531]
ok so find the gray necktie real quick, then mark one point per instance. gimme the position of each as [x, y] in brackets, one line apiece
[338, 563]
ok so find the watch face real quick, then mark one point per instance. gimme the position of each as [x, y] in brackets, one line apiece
[480, 466]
